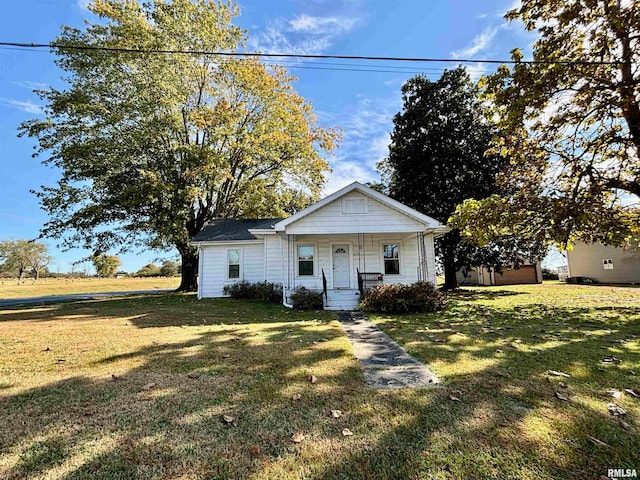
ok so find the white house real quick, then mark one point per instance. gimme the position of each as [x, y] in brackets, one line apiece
[603, 263]
[351, 239]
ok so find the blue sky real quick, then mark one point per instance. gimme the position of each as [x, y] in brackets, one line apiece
[362, 103]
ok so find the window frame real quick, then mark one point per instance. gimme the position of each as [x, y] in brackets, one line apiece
[383, 260]
[240, 261]
[314, 261]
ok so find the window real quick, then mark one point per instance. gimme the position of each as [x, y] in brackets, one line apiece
[233, 261]
[607, 263]
[391, 258]
[305, 260]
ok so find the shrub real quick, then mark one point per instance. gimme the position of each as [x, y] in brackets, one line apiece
[420, 297]
[305, 299]
[263, 291]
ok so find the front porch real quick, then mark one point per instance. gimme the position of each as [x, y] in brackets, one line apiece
[343, 266]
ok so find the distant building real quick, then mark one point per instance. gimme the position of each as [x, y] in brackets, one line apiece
[603, 263]
[526, 273]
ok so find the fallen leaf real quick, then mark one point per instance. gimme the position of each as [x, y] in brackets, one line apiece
[148, 387]
[613, 393]
[336, 413]
[616, 410]
[60, 360]
[312, 379]
[346, 432]
[560, 396]
[455, 399]
[297, 437]
[296, 397]
[595, 441]
[555, 373]
[503, 374]
[612, 359]
[498, 350]
[229, 420]
[115, 378]
[47, 349]
[634, 392]
[193, 375]
[254, 450]
[625, 425]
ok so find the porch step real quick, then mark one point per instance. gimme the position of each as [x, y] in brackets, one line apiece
[346, 299]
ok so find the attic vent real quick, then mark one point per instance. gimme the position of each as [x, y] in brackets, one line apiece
[355, 205]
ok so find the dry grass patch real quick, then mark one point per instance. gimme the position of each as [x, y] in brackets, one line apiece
[10, 288]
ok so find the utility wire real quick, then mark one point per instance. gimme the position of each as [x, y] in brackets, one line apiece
[303, 55]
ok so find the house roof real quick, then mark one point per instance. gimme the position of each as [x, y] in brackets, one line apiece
[230, 229]
[357, 186]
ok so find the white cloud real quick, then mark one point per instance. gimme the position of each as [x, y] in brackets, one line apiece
[367, 126]
[321, 25]
[303, 34]
[31, 85]
[479, 44]
[25, 106]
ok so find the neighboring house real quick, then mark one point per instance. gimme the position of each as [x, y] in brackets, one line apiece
[603, 263]
[353, 237]
[527, 273]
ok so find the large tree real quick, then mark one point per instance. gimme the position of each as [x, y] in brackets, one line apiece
[437, 160]
[153, 145]
[572, 127]
[106, 265]
[21, 256]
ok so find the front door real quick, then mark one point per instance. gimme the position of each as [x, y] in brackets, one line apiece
[341, 266]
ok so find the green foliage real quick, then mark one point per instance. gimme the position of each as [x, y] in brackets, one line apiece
[549, 274]
[149, 270]
[18, 257]
[571, 127]
[264, 291]
[106, 265]
[169, 268]
[420, 297]
[305, 299]
[152, 146]
[437, 160]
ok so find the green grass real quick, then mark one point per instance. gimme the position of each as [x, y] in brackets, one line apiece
[69, 419]
[11, 288]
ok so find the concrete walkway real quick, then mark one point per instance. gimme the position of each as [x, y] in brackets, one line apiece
[386, 364]
[12, 302]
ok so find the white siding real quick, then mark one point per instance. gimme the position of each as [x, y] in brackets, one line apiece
[254, 268]
[370, 259]
[378, 219]
[213, 273]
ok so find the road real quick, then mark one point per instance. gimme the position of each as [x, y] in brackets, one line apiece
[12, 302]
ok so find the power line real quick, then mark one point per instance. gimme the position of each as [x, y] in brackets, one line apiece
[302, 55]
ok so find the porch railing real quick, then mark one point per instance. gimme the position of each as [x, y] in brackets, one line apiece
[324, 286]
[367, 280]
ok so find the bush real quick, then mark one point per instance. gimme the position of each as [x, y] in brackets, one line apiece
[420, 297]
[263, 291]
[549, 275]
[305, 299]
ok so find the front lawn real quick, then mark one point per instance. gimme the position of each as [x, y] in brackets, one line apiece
[181, 364]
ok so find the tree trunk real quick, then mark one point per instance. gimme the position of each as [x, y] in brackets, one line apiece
[189, 280]
[450, 277]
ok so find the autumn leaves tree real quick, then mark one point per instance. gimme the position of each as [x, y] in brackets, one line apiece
[571, 123]
[152, 145]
